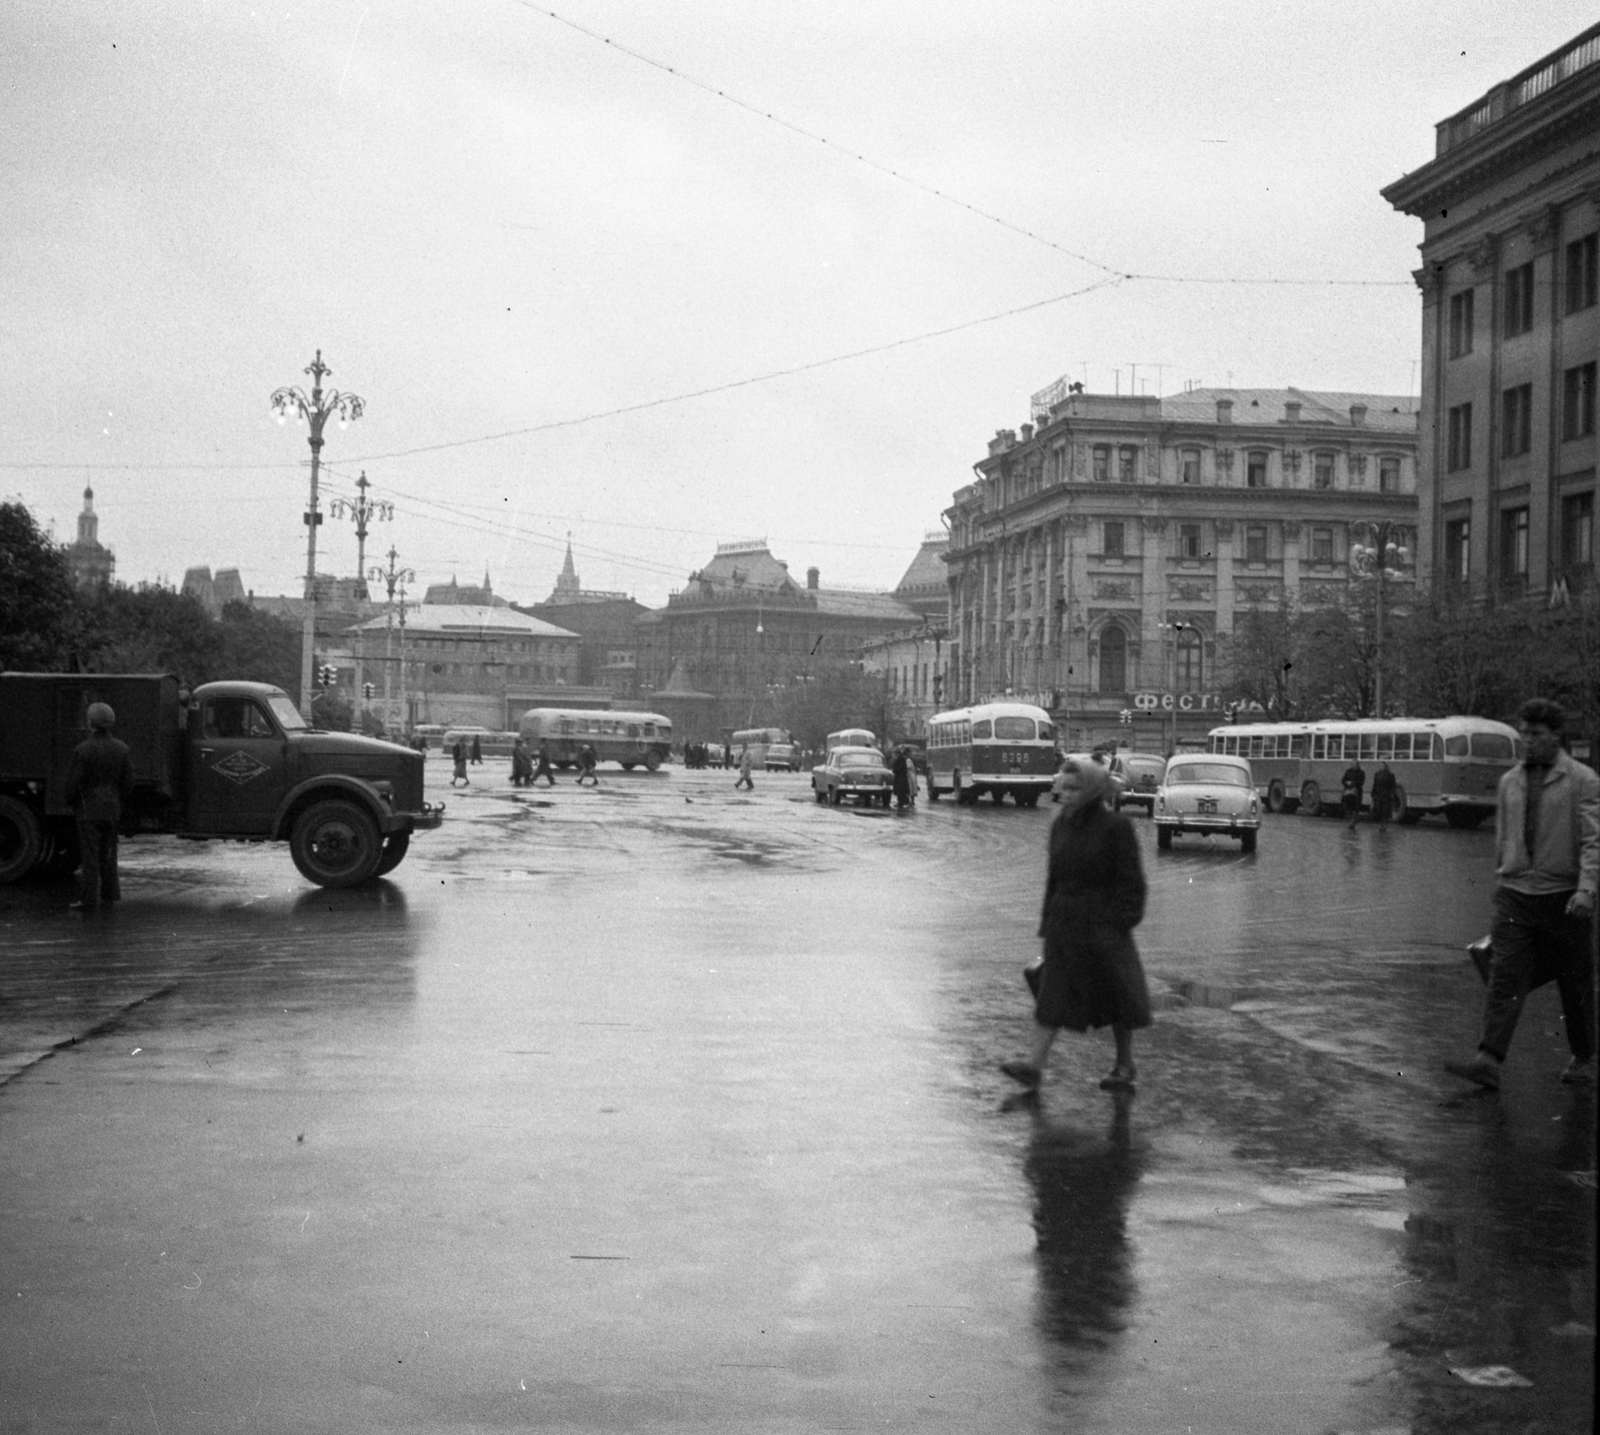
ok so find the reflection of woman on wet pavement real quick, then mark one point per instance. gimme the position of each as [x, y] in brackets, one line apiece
[1093, 899]
[1081, 1186]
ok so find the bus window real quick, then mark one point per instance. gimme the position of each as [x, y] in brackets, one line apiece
[981, 730]
[633, 729]
[1297, 745]
[1402, 747]
[1385, 747]
[566, 725]
[1369, 746]
[1014, 729]
[1491, 745]
[1046, 732]
[1456, 746]
[1255, 746]
[1335, 747]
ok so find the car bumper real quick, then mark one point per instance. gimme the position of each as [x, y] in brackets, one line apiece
[1206, 822]
[431, 816]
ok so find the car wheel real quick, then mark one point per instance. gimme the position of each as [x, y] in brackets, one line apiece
[833, 796]
[1311, 800]
[336, 844]
[1164, 839]
[1247, 841]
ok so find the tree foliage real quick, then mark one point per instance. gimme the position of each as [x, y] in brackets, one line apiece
[834, 696]
[37, 598]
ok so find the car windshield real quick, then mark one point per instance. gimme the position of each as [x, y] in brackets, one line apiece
[287, 714]
[1218, 773]
[858, 759]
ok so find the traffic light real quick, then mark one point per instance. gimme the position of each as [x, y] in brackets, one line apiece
[367, 691]
[327, 675]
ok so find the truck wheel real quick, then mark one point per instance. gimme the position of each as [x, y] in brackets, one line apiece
[21, 840]
[336, 844]
[395, 847]
[652, 761]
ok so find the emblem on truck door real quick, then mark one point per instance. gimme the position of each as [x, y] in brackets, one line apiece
[239, 767]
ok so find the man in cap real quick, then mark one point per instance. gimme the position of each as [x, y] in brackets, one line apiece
[99, 782]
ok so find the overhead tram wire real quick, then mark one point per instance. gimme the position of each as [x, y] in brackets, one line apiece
[937, 193]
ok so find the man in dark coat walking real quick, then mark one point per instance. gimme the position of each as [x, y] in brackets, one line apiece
[99, 783]
[543, 769]
[1383, 786]
[1352, 783]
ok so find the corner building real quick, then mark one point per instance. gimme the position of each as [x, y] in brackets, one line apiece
[1098, 564]
[1510, 282]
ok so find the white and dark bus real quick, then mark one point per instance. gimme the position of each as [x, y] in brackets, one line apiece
[633, 739]
[1450, 765]
[996, 748]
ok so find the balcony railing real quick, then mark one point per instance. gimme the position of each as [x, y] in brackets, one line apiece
[1538, 79]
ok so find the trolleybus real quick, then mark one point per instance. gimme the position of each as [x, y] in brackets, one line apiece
[995, 748]
[771, 748]
[633, 739]
[1449, 765]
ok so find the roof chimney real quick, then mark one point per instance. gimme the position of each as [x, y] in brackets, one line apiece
[1358, 415]
[1027, 432]
[812, 575]
[1291, 411]
[1224, 411]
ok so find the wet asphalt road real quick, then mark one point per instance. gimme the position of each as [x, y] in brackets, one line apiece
[666, 1108]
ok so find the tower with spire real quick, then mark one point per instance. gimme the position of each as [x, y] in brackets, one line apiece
[567, 589]
[90, 561]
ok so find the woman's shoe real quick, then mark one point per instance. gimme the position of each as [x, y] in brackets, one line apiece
[1022, 1071]
[1119, 1079]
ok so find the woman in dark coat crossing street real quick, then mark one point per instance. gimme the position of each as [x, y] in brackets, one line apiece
[1094, 898]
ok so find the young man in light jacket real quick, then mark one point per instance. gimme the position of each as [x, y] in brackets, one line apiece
[1547, 857]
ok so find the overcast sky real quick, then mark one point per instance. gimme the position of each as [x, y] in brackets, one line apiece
[494, 225]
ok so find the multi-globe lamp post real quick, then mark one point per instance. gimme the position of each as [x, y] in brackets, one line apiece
[1383, 557]
[394, 578]
[314, 410]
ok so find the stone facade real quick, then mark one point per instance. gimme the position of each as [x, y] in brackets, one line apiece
[1098, 564]
[1510, 206]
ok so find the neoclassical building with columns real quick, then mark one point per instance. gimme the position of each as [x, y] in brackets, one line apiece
[1100, 559]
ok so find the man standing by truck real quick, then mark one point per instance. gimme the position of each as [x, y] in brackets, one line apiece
[99, 782]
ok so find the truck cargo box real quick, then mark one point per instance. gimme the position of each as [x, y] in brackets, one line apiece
[44, 716]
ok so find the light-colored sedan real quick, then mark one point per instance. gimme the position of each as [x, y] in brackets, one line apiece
[856, 772]
[1207, 792]
[1141, 774]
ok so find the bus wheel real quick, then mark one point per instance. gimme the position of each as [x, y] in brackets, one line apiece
[627, 767]
[1463, 819]
[1397, 807]
[1311, 800]
[933, 792]
[1274, 796]
[1027, 799]
[652, 761]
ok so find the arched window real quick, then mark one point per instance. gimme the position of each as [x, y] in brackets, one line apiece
[1113, 660]
[1190, 654]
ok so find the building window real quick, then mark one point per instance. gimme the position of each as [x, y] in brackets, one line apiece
[1323, 471]
[1583, 282]
[1322, 545]
[1461, 323]
[1102, 462]
[1514, 546]
[1388, 475]
[1188, 540]
[1577, 408]
[1519, 300]
[1457, 549]
[1460, 437]
[1516, 420]
[1256, 470]
[1113, 543]
[1128, 464]
[1189, 659]
[1113, 660]
[1189, 466]
[1255, 543]
[1577, 530]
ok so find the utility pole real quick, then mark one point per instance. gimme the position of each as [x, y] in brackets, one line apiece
[292, 402]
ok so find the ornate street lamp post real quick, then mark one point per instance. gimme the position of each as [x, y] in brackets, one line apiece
[292, 402]
[1172, 681]
[362, 510]
[1374, 560]
[393, 578]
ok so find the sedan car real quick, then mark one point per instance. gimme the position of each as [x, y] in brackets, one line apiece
[856, 772]
[1141, 774]
[1207, 792]
[1103, 759]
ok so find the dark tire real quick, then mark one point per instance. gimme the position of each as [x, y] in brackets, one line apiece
[1164, 839]
[1463, 819]
[395, 847]
[21, 839]
[1397, 807]
[1411, 816]
[652, 761]
[627, 767]
[1247, 841]
[1275, 796]
[336, 844]
[999, 795]
[1311, 800]
[1027, 799]
[933, 792]
[834, 797]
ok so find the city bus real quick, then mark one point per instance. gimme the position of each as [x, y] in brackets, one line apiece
[997, 748]
[1449, 765]
[771, 748]
[850, 737]
[633, 739]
